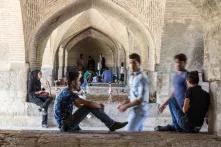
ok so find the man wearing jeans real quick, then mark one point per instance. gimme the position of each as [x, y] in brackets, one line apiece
[196, 103]
[63, 108]
[138, 98]
[178, 94]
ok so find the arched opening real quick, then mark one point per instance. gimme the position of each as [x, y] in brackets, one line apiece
[143, 38]
[91, 47]
[90, 42]
[60, 39]
[138, 37]
[200, 41]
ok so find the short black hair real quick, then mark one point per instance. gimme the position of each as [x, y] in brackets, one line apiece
[181, 57]
[193, 77]
[135, 56]
[71, 76]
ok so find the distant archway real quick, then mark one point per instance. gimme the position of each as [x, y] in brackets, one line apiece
[38, 43]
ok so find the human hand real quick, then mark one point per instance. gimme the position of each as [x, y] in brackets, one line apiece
[122, 108]
[100, 106]
[162, 108]
[38, 92]
[118, 107]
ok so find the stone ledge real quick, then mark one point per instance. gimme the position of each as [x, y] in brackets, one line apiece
[104, 138]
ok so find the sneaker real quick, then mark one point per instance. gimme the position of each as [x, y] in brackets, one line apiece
[63, 129]
[164, 128]
[118, 125]
[44, 125]
[40, 109]
[43, 111]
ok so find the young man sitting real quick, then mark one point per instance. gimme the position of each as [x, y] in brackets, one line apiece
[65, 101]
[196, 103]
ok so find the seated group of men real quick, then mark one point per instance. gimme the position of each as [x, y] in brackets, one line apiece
[188, 103]
[106, 76]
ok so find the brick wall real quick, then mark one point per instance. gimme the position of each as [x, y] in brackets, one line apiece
[11, 32]
[150, 13]
[182, 33]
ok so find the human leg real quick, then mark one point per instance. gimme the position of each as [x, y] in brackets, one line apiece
[135, 122]
[176, 114]
[44, 108]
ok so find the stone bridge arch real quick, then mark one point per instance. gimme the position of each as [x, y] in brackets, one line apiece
[77, 7]
[117, 49]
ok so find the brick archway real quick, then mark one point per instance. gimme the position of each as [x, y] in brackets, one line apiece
[119, 53]
[107, 7]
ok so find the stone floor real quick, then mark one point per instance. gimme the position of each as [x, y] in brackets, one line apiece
[105, 139]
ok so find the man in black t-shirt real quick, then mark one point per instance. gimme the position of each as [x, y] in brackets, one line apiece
[196, 103]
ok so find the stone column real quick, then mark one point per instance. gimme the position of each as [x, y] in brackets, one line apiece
[212, 62]
[65, 62]
[12, 62]
[60, 62]
[215, 108]
[14, 69]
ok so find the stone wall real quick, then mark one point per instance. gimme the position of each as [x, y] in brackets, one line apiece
[182, 33]
[12, 62]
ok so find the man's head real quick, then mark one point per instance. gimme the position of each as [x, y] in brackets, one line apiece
[73, 79]
[81, 55]
[192, 78]
[180, 62]
[134, 61]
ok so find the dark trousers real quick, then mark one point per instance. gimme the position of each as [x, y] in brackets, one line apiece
[122, 77]
[73, 121]
[180, 121]
[43, 102]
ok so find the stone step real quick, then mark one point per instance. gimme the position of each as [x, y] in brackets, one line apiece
[106, 139]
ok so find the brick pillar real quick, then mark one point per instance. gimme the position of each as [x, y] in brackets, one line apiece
[61, 63]
[65, 61]
[215, 108]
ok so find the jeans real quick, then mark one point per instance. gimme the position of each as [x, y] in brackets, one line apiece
[180, 121]
[136, 120]
[73, 121]
[43, 102]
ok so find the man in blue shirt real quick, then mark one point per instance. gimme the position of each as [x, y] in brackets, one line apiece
[65, 101]
[138, 98]
[107, 75]
[178, 93]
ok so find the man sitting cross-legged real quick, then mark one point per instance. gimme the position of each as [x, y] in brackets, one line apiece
[65, 101]
[191, 117]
